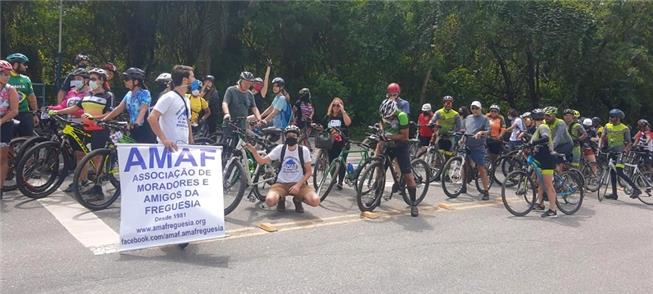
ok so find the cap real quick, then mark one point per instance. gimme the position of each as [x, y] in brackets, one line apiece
[477, 104]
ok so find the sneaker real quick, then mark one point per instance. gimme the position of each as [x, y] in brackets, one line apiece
[635, 194]
[463, 190]
[539, 207]
[299, 208]
[96, 193]
[550, 213]
[486, 195]
[70, 188]
[339, 186]
[281, 206]
[612, 196]
[414, 212]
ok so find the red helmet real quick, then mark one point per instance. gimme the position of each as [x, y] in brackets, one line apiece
[393, 88]
[5, 66]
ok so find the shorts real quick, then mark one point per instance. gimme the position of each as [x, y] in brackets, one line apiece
[494, 146]
[565, 149]
[283, 189]
[445, 143]
[575, 160]
[6, 133]
[400, 151]
[97, 140]
[478, 156]
[26, 126]
[424, 141]
[143, 134]
[546, 160]
[515, 144]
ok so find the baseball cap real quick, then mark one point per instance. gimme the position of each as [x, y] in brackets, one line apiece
[476, 104]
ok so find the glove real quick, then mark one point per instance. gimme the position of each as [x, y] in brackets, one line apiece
[52, 112]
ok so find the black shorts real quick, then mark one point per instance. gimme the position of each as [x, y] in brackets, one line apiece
[546, 160]
[565, 149]
[6, 133]
[143, 134]
[97, 140]
[424, 141]
[400, 151]
[494, 146]
[445, 143]
[26, 126]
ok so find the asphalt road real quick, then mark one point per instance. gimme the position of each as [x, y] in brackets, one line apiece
[462, 245]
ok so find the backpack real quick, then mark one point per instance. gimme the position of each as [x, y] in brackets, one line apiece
[300, 151]
[286, 115]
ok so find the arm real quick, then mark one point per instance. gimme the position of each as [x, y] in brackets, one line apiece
[69, 110]
[402, 136]
[207, 110]
[153, 119]
[264, 90]
[118, 110]
[346, 118]
[260, 160]
[266, 112]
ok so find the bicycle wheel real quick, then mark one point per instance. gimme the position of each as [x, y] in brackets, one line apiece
[203, 141]
[264, 177]
[41, 170]
[435, 161]
[525, 193]
[234, 182]
[479, 182]
[504, 166]
[370, 186]
[96, 181]
[452, 177]
[28, 144]
[570, 192]
[320, 168]
[591, 174]
[421, 172]
[10, 179]
[357, 172]
[328, 179]
[604, 183]
[645, 183]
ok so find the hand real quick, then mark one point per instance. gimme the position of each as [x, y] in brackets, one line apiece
[87, 116]
[170, 145]
[36, 120]
[52, 112]
[268, 62]
[295, 189]
[250, 147]
[227, 117]
[477, 136]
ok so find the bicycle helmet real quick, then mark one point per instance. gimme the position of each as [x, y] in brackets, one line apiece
[426, 107]
[258, 80]
[5, 66]
[447, 98]
[642, 122]
[17, 57]
[495, 107]
[550, 110]
[279, 82]
[537, 114]
[80, 57]
[209, 78]
[110, 67]
[617, 113]
[81, 72]
[526, 114]
[576, 114]
[164, 77]
[247, 76]
[134, 73]
[393, 88]
[304, 93]
[292, 129]
[98, 71]
[596, 120]
[388, 108]
[587, 122]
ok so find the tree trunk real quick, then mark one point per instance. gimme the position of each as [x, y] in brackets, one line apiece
[427, 78]
[531, 79]
[509, 89]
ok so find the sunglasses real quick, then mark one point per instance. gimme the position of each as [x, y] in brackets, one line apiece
[475, 108]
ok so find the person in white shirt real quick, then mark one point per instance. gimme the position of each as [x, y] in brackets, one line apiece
[293, 174]
[170, 116]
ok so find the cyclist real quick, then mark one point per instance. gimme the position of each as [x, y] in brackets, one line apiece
[392, 92]
[616, 139]
[260, 87]
[477, 126]
[8, 110]
[280, 112]
[81, 61]
[596, 121]
[305, 110]
[577, 133]
[198, 105]
[293, 174]
[644, 140]
[394, 123]
[238, 101]
[173, 109]
[516, 129]
[497, 129]
[111, 69]
[210, 93]
[447, 120]
[464, 112]
[27, 100]
[588, 144]
[562, 141]
[543, 154]
[337, 118]
[163, 85]
[425, 132]
[78, 89]
[137, 104]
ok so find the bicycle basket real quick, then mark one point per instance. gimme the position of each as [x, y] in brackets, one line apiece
[324, 141]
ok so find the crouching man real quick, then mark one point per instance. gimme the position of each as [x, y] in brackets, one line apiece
[293, 175]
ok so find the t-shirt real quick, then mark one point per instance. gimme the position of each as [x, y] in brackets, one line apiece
[448, 120]
[403, 105]
[174, 110]
[496, 125]
[239, 104]
[336, 122]
[474, 124]
[517, 128]
[576, 130]
[644, 139]
[543, 131]
[197, 104]
[423, 121]
[215, 104]
[5, 105]
[617, 136]
[559, 132]
[95, 103]
[291, 170]
[280, 104]
[306, 110]
[259, 101]
[23, 86]
[133, 103]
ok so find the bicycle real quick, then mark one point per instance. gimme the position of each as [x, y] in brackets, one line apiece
[436, 157]
[452, 177]
[568, 186]
[371, 182]
[644, 180]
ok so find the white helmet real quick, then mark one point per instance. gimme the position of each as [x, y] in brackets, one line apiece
[164, 77]
[426, 107]
[587, 122]
[388, 108]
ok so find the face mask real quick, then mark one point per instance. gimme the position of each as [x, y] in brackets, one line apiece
[291, 141]
[94, 85]
[195, 92]
[77, 84]
[82, 65]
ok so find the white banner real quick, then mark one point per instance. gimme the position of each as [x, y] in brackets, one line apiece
[169, 197]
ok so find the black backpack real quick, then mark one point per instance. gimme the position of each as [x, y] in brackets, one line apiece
[300, 150]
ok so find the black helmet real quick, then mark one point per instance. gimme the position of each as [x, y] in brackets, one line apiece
[134, 73]
[247, 76]
[82, 72]
[279, 81]
[537, 114]
[305, 93]
[209, 78]
[81, 57]
[596, 120]
[617, 113]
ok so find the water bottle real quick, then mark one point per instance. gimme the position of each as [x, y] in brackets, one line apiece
[350, 168]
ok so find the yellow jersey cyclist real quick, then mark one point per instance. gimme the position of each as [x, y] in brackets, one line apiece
[562, 141]
[543, 154]
[447, 120]
[395, 126]
[616, 139]
[27, 105]
[577, 133]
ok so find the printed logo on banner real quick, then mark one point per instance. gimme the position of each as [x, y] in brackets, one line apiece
[169, 197]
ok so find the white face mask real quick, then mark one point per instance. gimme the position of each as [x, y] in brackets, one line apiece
[94, 85]
[77, 84]
[196, 92]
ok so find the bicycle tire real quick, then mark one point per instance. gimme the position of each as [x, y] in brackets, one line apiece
[503, 166]
[604, 182]
[33, 141]
[204, 141]
[519, 178]
[260, 189]
[45, 153]
[436, 161]
[479, 182]
[373, 177]
[573, 185]
[421, 179]
[327, 182]
[10, 179]
[449, 177]
[646, 196]
[108, 170]
[357, 172]
[591, 177]
[234, 173]
[321, 164]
